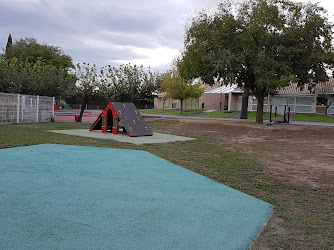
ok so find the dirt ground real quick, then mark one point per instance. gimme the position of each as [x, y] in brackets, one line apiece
[296, 153]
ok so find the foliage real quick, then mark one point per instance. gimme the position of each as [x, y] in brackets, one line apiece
[28, 67]
[178, 88]
[261, 45]
[89, 82]
[131, 83]
[90, 85]
[28, 49]
[34, 78]
[9, 46]
[125, 84]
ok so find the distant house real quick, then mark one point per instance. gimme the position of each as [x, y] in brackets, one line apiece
[163, 102]
[229, 97]
[306, 100]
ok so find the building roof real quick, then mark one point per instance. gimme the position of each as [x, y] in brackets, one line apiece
[293, 89]
[224, 89]
[321, 87]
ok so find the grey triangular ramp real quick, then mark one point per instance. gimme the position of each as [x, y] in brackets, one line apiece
[132, 120]
[97, 124]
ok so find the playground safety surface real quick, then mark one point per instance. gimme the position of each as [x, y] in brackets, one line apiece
[78, 197]
[155, 138]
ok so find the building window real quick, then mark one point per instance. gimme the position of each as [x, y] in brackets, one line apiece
[322, 100]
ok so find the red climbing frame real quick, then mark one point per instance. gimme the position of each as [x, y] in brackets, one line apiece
[126, 113]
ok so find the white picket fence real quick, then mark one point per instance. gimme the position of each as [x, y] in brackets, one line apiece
[17, 108]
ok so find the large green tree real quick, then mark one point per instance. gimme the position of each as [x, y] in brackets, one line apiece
[180, 89]
[28, 67]
[28, 49]
[34, 78]
[261, 45]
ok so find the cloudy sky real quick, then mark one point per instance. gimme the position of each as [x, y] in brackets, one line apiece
[148, 32]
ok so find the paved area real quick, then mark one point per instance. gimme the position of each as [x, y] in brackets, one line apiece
[155, 138]
[89, 116]
[321, 124]
[75, 197]
[236, 118]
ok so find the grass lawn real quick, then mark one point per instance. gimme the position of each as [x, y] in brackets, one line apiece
[219, 114]
[170, 111]
[185, 112]
[153, 111]
[266, 115]
[313, 117]
[285, 166]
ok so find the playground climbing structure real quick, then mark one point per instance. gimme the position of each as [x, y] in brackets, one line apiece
[121, 116]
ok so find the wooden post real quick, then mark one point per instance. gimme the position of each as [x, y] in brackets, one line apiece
[104, 124]
[115, 126]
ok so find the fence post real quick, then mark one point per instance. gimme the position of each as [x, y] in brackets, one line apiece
[284, 118]
[53, 108]
[271, 107]
[22, 107]
[18, 109]
[37, 108]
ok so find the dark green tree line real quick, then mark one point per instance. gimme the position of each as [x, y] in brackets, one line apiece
[124, 84]
[28, 49]
[34, 78]
[132, 83]
[28, 67]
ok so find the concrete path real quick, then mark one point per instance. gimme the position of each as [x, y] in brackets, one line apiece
[155, 138]
[302, 123]
[75, 197]
[321, 124]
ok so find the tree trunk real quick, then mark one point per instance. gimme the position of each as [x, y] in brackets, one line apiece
[327, 107]
[181, 106]
[244, 105]
[83, 106]
[259, 111]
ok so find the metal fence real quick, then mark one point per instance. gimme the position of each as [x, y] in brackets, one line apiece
[17, 108]
[88, 106]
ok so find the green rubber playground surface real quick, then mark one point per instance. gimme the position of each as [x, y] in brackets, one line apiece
[76, 197]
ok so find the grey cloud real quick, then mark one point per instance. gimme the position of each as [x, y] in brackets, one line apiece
[118, 26]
